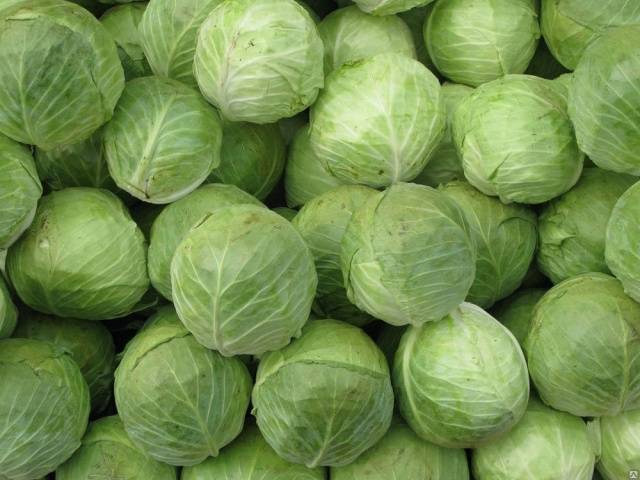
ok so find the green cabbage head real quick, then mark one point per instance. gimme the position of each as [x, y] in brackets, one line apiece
[619, 438]
[388, 7]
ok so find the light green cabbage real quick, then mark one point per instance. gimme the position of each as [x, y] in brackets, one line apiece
[163, 140]
[583, 347]
[516, 141]
[569, 26]
[573, 227]
[179, 401]
[461, 382]
[516, 312]
[604, 104]
[44, 408]
[20, 190]
[620, 444]
[407, 256]
[252, 158]
[545, 444]
[259, 60]
[87, 262]
[89, 343]
[505, 238]
[325, 398]
[349, 34]
[61, 76]
[243, 281]
[378, 120]
[322, 223]
[482, 40]
[401, 454]
[388, 7]
[250, 457]
[621, 247]
[176, 220]
[107, 452]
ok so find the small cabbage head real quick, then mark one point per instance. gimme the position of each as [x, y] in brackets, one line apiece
[402, 454]
[163, 140]
[305, 177]
[90, 344]
[176, 220]
[20, 190]
[44, 408]
[480, 41]
[407, 256]
[243, 281]
[61, 75]
[619, 438]
[122, 23]
[259, 60]
[621, 247]
[573, 226]
[179, 401]
[349, 34]
[604, 104]
[583, 347]
[569, 26]
[107, 452]
[322, 223]
[544, 444]
[252, 158]
[516, 141]
[169, 33]
[378, 120]
[445, 165]
[345, 410]
[388, 7]
[250, 457]
[516, 312]
[461, 382]
[505, 238]
[8, 311]
[87, 262]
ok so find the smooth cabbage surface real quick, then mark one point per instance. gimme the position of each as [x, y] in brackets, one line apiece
[620, 444]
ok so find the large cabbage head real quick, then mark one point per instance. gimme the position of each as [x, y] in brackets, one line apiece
[177, 219]
[378, 120]
[326, 397]
[250, 457]
[8, 311]
[169, 33]
[402, 454]
[407, 256]
[20, 190]
[544, 444]
[516, 141]
[259, 60]
[349, 34]
[322, 223]
[505, 238]
[622, 245]
[583, 347]
[243, 280]
[252, 158]
[619, 442]
[388, 7]
[461, 382]
[305, 177]
[87, 262]
[107, 452]
[44, 408]
[61, 76]
[122, 23]
[516, 312]
[163, 140]
[604, 104]
[180, 402]
[573, 226]
[90, 344]
[474, 42]
[569, 26]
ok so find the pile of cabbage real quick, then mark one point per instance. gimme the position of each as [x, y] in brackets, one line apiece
[300, 240]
